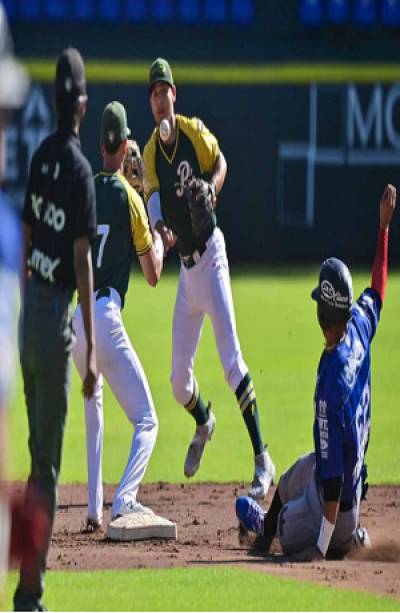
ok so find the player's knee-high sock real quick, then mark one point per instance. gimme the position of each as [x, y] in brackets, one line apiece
[246, 398]
[197, 407]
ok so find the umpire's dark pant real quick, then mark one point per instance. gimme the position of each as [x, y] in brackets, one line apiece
[46, 341]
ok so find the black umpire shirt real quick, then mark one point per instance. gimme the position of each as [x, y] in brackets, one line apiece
[60, 206]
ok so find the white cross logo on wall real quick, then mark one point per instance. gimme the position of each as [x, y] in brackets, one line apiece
[369, 138]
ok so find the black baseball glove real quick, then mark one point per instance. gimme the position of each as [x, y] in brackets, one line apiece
[200, 197]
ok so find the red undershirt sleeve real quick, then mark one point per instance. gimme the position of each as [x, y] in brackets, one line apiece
[380, 267]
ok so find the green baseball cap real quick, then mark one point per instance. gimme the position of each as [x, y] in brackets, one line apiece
[160, 70]
[114, 126]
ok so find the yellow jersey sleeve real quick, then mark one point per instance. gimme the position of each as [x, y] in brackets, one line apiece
[141, 234]
[150, 179]
[204, 141]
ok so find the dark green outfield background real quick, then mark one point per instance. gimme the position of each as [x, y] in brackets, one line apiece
[288, 147]
[309, 120]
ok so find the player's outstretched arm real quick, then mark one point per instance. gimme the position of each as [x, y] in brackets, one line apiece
[167, 236]
[84, 282]
[387, 206]
[218, 175]
[157, 222]
[379, 270]
[24, 272]
[152, 262]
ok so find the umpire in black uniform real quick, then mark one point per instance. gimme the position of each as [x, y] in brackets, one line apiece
[59, 221]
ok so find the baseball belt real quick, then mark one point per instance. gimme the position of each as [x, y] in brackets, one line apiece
[103, 292]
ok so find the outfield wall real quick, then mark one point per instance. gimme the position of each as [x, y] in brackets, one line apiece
[309, 147]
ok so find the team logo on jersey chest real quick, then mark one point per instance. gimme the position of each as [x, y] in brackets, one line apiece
[184, 172]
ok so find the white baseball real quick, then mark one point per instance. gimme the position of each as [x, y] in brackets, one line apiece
[165, 130]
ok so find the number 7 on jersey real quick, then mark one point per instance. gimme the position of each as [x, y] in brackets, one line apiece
[103, 230]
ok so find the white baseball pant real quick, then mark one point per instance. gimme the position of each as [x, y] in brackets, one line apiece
[301, 515]
[120, 366]
[205, 289]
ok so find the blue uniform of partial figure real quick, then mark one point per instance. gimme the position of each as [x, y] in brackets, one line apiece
[341, 435]
[316, 507]
[10, 236]
[343, 400]
[10, 260]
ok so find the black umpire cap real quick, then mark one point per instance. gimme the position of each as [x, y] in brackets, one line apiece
[14, 81]
[70, 83]
[334, 293]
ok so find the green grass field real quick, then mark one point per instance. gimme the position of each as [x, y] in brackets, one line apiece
[199, 589]
[281, 342]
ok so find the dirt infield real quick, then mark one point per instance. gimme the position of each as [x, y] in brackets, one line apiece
[208, 534]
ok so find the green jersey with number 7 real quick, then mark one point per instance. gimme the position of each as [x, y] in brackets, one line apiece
[122, 228]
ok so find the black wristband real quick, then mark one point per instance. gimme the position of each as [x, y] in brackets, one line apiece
[332, 489]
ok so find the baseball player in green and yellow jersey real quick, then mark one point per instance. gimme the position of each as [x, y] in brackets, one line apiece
[122, 230]
[179, 149]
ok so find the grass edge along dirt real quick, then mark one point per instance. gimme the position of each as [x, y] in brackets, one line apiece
[197, 589]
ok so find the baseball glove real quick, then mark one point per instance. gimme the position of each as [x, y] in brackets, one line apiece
[133, 166]
[200, 198]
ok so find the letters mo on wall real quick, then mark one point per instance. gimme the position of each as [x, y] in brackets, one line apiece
[365, 134]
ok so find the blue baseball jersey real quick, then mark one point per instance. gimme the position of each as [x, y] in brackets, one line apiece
[10, 262]
[10, 236]
[342, 399]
